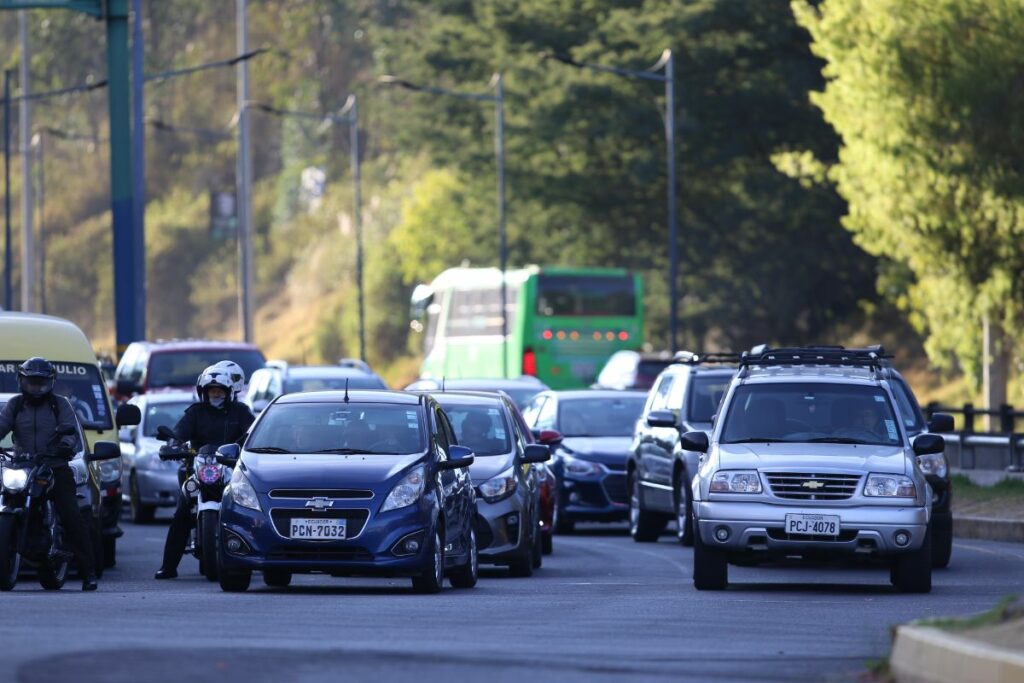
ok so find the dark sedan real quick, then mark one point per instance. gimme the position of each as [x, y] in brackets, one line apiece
[596, 427]
[361, 483]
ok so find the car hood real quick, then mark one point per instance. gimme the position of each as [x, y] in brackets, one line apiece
[485, 467]
[607, 450]
[267, 471]
[812, 456]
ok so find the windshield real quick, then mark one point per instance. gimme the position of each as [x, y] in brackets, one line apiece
[346, 428]
[705, 395]
[811, 413]
[162, 415]
[611, 295]
[80, 383]
[7, 441]
[480, 428]
[604, 416]
[912, 418]
[294, 385]
[181, 368]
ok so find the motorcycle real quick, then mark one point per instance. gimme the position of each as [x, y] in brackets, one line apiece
[30, 528]
[203, 478]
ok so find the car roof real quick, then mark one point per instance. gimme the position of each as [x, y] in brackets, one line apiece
[161, 345]
[466, 397]
[497, 382]
[326, 371]
[814, 373]
[354, 396]
[598, 393]
[714, 371]
[165, 397]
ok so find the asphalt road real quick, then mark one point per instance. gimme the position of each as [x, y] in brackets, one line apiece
[602, 609]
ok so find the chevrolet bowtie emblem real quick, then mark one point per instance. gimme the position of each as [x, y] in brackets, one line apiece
[812, 484]
[320, 503]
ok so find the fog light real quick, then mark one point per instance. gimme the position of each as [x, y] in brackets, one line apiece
[722, 534]
[235, 545]
[902, 538]
[412, 546]
[513, 520]
[574, 497]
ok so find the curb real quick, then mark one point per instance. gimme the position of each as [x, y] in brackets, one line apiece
[928, 655]
[989, 529]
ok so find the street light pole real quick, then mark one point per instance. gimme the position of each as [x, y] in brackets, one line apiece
[244, 179]
[139, 167]
[357, 212]
[25, 126]
[37, 142]
[8, 291]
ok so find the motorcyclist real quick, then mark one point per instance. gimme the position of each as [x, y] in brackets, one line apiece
[217, 418]
[35, 418]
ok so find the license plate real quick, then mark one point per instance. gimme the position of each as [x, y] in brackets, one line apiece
[318, 528]
[813, 525]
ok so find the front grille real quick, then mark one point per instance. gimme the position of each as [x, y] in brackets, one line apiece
[301, 553]
[615, 488]
[812, 486]
[337, 494]
[356, 519]
[845, 536]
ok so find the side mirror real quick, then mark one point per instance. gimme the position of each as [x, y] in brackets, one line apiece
[695, 441]
[535, 452]
[103, 450]
[549, 437]
[128, 415]
[164, 433]
[926, 444]
[127, 388]
[228, 454]
[662, 418]
[941, 423]
[458, 457]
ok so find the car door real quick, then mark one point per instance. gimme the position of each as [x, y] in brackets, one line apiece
[657, 444]
[451, 483]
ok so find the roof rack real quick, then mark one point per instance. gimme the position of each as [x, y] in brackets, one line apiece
[691, 358]
[763, 355]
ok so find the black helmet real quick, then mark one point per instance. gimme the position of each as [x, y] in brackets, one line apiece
[36, 377]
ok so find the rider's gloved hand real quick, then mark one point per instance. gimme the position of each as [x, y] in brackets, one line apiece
[64, 451]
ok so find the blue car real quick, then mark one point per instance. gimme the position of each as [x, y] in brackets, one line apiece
[361, 483]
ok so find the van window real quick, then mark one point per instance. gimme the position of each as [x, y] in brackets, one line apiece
[80, 383]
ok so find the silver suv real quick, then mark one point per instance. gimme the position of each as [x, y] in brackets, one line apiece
[809, 457]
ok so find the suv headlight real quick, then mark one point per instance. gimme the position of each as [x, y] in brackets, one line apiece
[499, 487]
[242, 492]
[107, 470]
[15, 480]
[407, 491]
[581, 468]
[736, 481]
[934, 464]
[890, 486]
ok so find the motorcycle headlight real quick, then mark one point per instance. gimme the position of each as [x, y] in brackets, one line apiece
[15, 480]
[208, 474]
[890, 486]
[736, 481]
[242, 492]
[934, 463]
[499, 487]
[407, 491]
[581, 468]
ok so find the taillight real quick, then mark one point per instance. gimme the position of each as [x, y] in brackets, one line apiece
[529, 362]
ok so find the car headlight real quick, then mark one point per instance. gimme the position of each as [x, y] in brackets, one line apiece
[581, 468]
[890, 486]
[242, 492]
[407, 491]
[15, 480]
[736, 481]
[934, 464]
[79, 471]
[499, 487]
[107, 470]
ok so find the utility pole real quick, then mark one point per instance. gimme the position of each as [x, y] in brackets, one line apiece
[138, 166]
[357, 212]
[244, 174]
[499, 156]
[25, 130]
[37, 142]
[673, 230]
[8, 291]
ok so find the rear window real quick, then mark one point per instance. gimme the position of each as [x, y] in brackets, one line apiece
[602, 416]
[162, 415]
[481, 428]
[586, 295]
[80, 383]
[342, 428]
[647, 371]
[294, 385]
[705, 395]
[182, 368]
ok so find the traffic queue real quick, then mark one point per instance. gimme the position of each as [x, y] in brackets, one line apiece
[766, 456]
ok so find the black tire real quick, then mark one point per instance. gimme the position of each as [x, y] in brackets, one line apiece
[912, 572]
[942, 540]
[431, 580]
[561, 523]
[522, 566]
[140, 513]
[277, 578]
[92, 523]
[547, 543]
[52, 577]
[644, 526]
[538, 547]
[684, 510]
[208, 521]
[710, 565]
[466, 576]
[10, 561]
[236, 581]
[109, 551]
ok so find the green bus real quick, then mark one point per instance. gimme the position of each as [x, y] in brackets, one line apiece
[563, 323]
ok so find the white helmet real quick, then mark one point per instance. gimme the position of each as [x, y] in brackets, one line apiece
[235, 371]
[214, 377]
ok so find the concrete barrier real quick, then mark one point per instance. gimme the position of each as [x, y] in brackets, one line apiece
[989, 529]
[922, 654]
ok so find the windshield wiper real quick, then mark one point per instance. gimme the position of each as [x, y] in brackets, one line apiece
[268, 449]
[348, 451]
[758, 439]
[836, 439]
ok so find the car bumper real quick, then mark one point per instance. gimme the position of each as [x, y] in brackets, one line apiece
[158, 487]
[758, 527]
[601, 498]
[500, 529]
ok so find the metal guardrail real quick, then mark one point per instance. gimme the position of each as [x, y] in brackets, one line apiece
[1001, 450]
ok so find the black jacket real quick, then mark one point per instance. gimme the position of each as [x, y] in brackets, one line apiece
[35, 426]
[202, 424]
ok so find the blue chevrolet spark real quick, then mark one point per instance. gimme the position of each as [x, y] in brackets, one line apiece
[361, 483]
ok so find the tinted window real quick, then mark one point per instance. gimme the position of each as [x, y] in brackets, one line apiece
[647, 371]
[659, 399]
[586, 295]
[162, 414]
[372, 428]
[480, 427]
[599, 416]
[80, 383]
[294, 385]
[912, 419]
[705, 396]
[811, 412]
[181, 368]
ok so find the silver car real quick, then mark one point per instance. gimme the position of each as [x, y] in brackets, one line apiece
[147, 481]
[809, 458]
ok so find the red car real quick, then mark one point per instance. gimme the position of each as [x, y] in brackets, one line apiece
[547, 483]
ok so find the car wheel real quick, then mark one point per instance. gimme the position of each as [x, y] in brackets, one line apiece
[538, 546]
[208, 522]
[912, 572]
[710, 565]
[93, 524]
[942, 540]
[560, 521]
[276, 578]
[52, 576]
[140, 513]
[644, 526]
[235, 581]
[547, 542]
[431, 579]
[684, 511]
[522, 567]
[466, 576]
[10, 560]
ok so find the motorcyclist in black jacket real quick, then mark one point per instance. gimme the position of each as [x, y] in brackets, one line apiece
[36, 417]
[217, 418]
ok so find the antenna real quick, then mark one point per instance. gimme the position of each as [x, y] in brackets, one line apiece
[346, 390]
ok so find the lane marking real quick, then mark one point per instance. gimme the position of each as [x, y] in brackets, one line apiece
[988, 551]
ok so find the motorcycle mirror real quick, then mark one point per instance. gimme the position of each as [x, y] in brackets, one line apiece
[164, 433]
